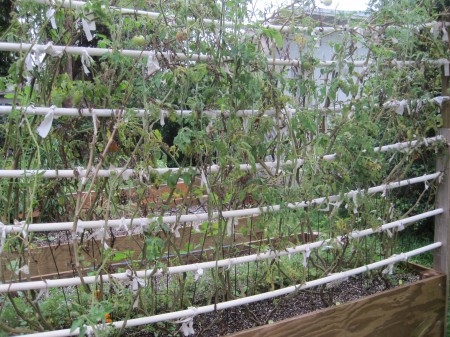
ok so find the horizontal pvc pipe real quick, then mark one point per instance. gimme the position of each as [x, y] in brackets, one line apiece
[74, 112]
[80, 173]
[192, 312]
[75, 281]
[155, 15]
[371, 190]
[404, 145]
[84, 112]
[144, 222]
[25, 47]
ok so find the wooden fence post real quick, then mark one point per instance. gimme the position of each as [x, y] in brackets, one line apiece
[442, 222]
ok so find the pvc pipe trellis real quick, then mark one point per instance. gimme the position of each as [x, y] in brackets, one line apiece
[81, 173]
[73, 112]
[192, 312]
[84, 112]
[155, 15]
[145, 222]
[225, 263]
[19, 47]
[25, 47]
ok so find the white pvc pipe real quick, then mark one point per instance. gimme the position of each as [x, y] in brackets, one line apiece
[76, 281]
[80, 173]
[192, 312]
[155, 15]
[74, 112]
[85, 112]
[25, 47]
[404, 145]
[143, 222]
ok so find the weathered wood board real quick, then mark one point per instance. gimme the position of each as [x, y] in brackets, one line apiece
[414, 310]
[51, 261]
[154, 195]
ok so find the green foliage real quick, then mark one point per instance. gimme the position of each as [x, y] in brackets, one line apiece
[234, 107]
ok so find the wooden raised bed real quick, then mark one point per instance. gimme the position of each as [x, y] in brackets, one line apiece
[51, 261]
[154, 196]
[413, 310]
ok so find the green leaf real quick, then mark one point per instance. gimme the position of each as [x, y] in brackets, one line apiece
[158, 135]
[172, 180]
[183, 139]
[78, 323]
[187, 178]
[275, 35]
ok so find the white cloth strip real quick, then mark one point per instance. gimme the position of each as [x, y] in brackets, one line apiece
[250, 299]
[86, 29]
[226, 263]
[50, 14]
[44, 128]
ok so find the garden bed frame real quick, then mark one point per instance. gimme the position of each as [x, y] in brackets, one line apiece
[416, 309]
[56, 260]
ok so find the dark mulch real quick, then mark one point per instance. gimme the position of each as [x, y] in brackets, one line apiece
[224, 322]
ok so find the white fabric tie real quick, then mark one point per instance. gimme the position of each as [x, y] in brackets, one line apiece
[126, 174]
[306, 253]
[94, 122]
[440, 99]
[198, 273]
[446, 64]
[187, 324]
[401, 107]
[44, 128]
[136, 282]
[142, 226]
[24, 269]
[152, 64]
[435, 29]
[204, 182]
[88, 24]
[124, 226]
[389, 270]
[162, 116]
[3, 236]
[80, 227]
[444, 33]
[43, 293]
[99, 234]
[230, 226]
[50, 14]
[86, 61]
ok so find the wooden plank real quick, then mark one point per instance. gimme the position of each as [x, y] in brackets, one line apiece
[414, 310]
[54, 259]
[442, 221]
[49, 261]
[156, 195]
